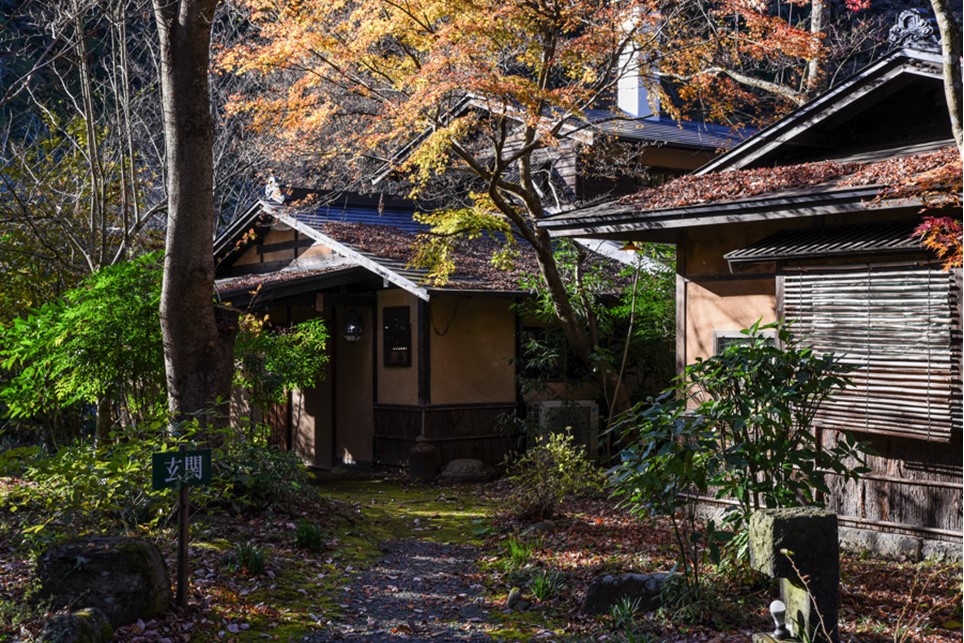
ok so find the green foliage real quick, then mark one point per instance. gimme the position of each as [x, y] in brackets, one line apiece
[308, 536]
[628, 315]
[247, 558]
[748, 436]
[623, 614]
[83, 489]
[547, 583]
[517, 553]
[269, 363]
[543, 476]
[101, 341]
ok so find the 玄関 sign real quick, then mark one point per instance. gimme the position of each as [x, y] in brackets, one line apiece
[175, 468]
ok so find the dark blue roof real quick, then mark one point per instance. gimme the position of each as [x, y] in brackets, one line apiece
[367, 215]
[666, 130]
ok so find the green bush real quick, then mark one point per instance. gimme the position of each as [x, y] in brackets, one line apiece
[83, 489]
[544, 475]
[308, 536]
[738, 426]
[546, 583]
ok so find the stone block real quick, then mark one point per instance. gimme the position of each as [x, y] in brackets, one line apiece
[125, 578]
[83, 626]
[606, 591]
[809, 534]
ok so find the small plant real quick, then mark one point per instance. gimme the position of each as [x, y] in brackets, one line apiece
[542, 477]
[308, 536]
[518, 553]
[247, 558]
[546, 584]
[623, 613]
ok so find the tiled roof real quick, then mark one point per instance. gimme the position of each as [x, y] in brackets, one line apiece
[666, 130]
[394, 247]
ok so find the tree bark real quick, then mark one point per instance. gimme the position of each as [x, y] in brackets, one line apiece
[198, 339]
[950, 31]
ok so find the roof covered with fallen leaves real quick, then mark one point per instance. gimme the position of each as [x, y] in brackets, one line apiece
[699, 199]
[736, 185]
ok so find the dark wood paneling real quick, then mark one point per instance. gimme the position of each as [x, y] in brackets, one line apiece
[462, 431]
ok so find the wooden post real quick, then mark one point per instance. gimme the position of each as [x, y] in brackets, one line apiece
[182, 542]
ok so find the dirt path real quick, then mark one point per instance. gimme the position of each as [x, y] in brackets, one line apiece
[418, 591]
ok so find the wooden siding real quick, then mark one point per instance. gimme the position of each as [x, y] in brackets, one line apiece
[914, 487]
[457, 431]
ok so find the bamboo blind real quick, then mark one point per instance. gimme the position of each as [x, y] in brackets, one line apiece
[901, 329]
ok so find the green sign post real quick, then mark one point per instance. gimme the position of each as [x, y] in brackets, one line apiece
[171, 469]
[181, 469]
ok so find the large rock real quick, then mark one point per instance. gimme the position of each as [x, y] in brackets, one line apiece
[466, 470]
[125, 578]
[83, 626]
[606, 591]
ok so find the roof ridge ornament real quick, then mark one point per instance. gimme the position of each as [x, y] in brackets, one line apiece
[915, 29]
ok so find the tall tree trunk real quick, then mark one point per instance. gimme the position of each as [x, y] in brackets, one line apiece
[951, 52]
[197, 338]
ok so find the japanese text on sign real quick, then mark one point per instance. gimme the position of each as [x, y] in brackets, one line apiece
[173, 468]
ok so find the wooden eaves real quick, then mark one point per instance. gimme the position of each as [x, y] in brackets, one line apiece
[621, 221]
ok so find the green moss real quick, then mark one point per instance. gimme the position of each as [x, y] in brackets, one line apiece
[395, 510]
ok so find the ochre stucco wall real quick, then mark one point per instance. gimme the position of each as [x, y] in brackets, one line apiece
[724, 305]
[397, 385]
[712, 297]
[472, 349]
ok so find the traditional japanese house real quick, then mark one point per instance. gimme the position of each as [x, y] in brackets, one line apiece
[406, 358]
[812, 220]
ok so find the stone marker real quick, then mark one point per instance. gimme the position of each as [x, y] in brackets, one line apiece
[83, 626]
[124, 578]
[606, 591]
[799, 546]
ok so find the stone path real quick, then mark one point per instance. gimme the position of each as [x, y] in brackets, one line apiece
[419, 591]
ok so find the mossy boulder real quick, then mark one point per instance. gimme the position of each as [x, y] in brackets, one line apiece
[83, 626]
[125, 578]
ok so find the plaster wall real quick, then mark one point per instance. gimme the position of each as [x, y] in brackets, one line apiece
[472, 349]
[730, 305]
[397, 384]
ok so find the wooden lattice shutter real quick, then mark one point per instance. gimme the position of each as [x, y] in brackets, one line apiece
[901, 328]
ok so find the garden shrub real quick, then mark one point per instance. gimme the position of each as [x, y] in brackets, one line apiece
[737, 426]
[84, 489]
[544, 475]
[308, 536]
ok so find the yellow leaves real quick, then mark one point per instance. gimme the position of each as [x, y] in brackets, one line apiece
[431, 157]
[436, 250]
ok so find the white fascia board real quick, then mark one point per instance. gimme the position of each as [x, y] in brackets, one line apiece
[352, 255]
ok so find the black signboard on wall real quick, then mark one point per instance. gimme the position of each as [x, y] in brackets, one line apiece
[398, 336]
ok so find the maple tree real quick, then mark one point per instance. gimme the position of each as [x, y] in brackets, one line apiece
[487, 91]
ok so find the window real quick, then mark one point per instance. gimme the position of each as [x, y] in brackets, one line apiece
[397, 337]
[901, 330]
[723, 338]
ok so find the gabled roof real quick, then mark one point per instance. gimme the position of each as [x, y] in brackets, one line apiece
[873, 92]
[839, 153]
[368, 235]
